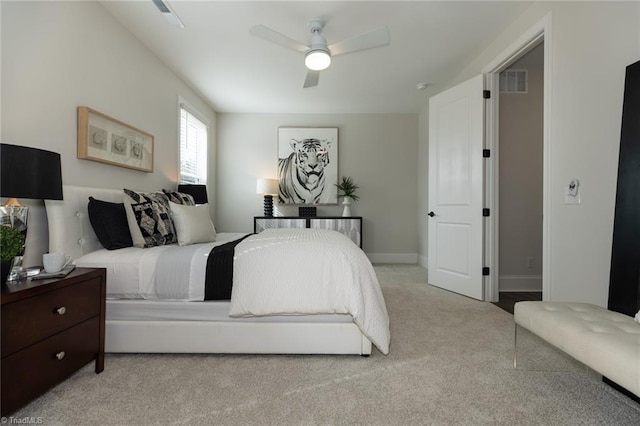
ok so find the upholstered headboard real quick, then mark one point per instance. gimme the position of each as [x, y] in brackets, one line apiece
[70, 231]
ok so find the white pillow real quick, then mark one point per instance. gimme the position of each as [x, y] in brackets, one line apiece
[193, 224]
[637, 318]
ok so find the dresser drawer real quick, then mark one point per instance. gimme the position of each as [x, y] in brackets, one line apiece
[35, 318]
[34, 370]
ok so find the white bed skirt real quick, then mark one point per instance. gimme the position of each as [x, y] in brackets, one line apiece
[157, 326]
[210, 310]
[235, 337]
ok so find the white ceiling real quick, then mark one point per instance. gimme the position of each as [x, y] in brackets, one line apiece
[431, 42]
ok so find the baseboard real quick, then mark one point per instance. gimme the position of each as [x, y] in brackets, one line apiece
[520, 283]
[393, 257]
[423, 261]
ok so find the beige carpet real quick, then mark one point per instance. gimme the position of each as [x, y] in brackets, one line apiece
[450, 363]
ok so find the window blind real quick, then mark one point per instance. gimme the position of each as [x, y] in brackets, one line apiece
[193, 148]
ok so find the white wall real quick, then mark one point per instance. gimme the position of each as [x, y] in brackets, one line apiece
[378, 150]
[423, 187]
[57, 56]
[591, 43]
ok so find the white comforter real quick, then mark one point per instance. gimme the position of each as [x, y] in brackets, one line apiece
[337, 278]
[165, 272]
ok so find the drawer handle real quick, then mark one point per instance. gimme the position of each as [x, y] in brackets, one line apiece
[61, 311]
[60, 355]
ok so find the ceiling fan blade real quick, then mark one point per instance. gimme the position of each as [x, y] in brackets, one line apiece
[312, 79]
[278, 38]
[375, 38]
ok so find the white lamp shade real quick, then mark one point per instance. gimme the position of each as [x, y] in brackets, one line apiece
[267, 187]
[317, 60]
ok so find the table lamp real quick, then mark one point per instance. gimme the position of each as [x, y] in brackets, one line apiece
[28, 173]
[268, 188]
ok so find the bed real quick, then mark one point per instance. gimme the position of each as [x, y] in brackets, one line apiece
[139, 325]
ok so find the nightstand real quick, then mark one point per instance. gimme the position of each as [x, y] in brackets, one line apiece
[50, 329]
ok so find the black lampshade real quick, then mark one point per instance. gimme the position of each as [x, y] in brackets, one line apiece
[198, 192]
[30, 173]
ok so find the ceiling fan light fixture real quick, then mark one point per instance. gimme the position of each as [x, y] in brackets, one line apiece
[317, 59]
[317, 53]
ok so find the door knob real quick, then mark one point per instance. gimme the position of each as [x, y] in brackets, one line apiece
[431, 214]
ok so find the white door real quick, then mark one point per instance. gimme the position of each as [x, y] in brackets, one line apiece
[456, 140]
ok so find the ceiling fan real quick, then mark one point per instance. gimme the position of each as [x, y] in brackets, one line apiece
[317, 54]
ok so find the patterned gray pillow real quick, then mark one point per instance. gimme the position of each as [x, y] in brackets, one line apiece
[149, 218]
[179, 198]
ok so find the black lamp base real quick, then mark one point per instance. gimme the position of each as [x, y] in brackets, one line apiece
[268, 205]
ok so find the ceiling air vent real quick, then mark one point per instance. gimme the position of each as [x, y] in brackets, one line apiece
[161, 6]
[168, 13]
[513, 81]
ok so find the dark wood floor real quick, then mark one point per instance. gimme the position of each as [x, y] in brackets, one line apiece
[509, 298]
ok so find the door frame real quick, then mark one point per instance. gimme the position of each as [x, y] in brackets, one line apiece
[540, 32]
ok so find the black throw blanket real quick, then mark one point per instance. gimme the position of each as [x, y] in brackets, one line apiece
[219, 276]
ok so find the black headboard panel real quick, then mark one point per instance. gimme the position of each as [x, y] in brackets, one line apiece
[624, 284]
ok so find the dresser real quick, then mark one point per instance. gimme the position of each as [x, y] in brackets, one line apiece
[50, 329]
[350, 226]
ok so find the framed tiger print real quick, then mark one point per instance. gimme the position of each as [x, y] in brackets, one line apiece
[308, 165]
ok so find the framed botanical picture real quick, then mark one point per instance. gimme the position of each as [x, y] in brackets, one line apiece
[308, 165]
[107, 140]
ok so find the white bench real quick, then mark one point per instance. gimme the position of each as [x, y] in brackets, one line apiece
[607, 342]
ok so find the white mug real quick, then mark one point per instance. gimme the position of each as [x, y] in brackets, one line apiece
[54, 262]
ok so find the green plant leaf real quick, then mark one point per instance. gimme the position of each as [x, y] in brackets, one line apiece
[347, 188]
[11, 242]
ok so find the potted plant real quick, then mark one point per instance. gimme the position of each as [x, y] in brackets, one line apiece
[347, 189]
[11, 245]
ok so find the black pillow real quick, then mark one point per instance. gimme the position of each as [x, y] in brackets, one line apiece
[109, 222]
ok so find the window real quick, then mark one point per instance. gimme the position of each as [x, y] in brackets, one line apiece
[193, 146]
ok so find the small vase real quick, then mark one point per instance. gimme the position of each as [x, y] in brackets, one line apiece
[346, 211]
[16, 271]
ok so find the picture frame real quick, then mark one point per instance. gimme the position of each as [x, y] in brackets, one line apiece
[308, 165]
[107, 140]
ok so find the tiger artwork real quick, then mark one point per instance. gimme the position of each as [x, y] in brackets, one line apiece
[301, 174]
